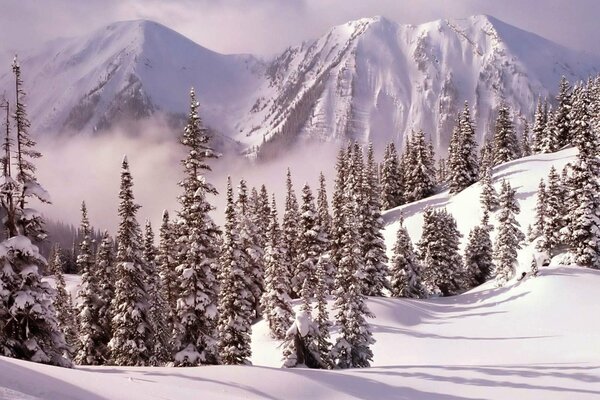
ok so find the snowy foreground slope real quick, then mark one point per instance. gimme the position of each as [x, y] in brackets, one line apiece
[525, 341]
[534, 339]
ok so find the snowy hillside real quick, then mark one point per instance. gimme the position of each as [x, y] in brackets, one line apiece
[373, 79]
[369, 79]
[131, 69]
[523, 175]
[486, 344]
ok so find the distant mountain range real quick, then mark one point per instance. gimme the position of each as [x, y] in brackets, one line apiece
[370, 79]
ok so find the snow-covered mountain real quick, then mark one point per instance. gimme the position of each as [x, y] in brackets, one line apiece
[373, 79]
[369, 79]
[131, 69]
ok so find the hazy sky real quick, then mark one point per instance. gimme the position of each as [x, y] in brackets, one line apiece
[268, 26]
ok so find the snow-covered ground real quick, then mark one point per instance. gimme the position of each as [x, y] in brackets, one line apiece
[533, 339]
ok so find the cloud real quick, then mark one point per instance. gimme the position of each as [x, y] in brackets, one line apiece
[87, 168]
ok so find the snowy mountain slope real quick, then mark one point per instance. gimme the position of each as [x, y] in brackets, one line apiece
[524, 176]
[489, 343]
[375, 80]
[131, 69]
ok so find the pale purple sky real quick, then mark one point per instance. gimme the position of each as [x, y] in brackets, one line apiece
[268, 26]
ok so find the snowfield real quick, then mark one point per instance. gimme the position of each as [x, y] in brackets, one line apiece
[524, 341]
[532, 339]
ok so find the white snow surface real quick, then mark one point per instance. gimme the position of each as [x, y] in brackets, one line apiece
[532, 339]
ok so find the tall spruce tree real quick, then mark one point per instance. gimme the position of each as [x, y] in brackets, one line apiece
[291, 232]
[488, 196]
[198, 243]
[105, 272]
[276, 302]
[463, 169]
[310, 245]
[391, 179]
[405, 270]
[235, 298]
[540, 210]
[554, 214]
[63, 303]
[539, 126]
[376, 269]
[166, 262]
[438, 251]
[525, 141]
[91, 349]
[509, 237]
[479, 254]
[561, 117]
[29, 328]
[324, 221]
[131, 343]
[506, 145]
[420, 174]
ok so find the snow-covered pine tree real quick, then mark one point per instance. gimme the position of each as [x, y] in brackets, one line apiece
[235, 298]
[391, 179]
[539, 125]
[276, 302]
[376, 270]
[509, 237]
[506, 145]
[338, 201]
[464, 167]
[105, 270]
[488, 197]
[584, 186]
[262, 214]
[166, 262]
[131, 343]
[249, 238]
[291, 232]
[540, 210]
[420, 181]
[479, 254]
[443, 271]
[198, 243]
[442, 172]
[322, 322]
[352, 348]
[562, 122]
[324, 221]
[554, 214]
[28, 325]
[549, 142]
[405, 270]
[310, 246]
[63, 304]
[91, 350]
[486, 157]
[157, 313]
[525, 140]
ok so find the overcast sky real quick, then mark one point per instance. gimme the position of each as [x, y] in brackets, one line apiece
[268, 26]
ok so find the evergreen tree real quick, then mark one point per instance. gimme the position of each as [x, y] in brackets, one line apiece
[488, 197]
[405, 270]
[487, 158]
[276, 302]
[322, 322]
[291, 232]
[63, 303]
[338, 202]
[554, 214]
[539, 126]
[235, 298]
[438, 250]
[549, 142]
[198, 241]
[352, 348]
[105, 270]
[479, 254]
[166, 262]
[525, 141]
[391, 179]
[131, 343]
[509, 236]
[420, 181]
[324, 221]
[376, 270]
[249, 239]
[506, 146]
[91, 350]
[584, 188]
[562, 122]
[540, 210]
[161, 351]
[463, 168]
